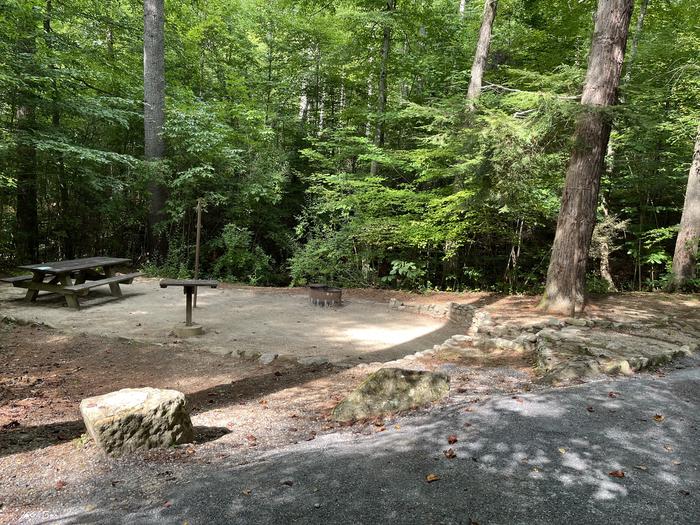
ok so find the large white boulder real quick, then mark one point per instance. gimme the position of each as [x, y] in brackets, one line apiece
[137, 418]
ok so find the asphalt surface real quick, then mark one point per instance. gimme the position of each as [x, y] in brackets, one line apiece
[543, 457]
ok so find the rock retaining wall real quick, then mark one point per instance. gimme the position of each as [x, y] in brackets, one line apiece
[571, 348]
[455, 312]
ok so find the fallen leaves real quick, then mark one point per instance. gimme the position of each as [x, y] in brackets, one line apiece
[60, 484]
[450, 453]
[168, 504]
[613, 394]
[452, 439]
[641, 467]
[590, 409]
[616, 474]
[659, 418]
[252, 440]
[562, 450]
[432, 477]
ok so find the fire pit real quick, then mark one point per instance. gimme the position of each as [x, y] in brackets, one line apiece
[324, 295]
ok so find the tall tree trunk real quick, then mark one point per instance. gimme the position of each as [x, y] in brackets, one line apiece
[154, 113]
[482, 50]
[566, 276]
[635, 40]
[449, 265]
[462, 7]
[611, 154]
[685, 257]
[382, 94]
[26, 214]
[27, 233]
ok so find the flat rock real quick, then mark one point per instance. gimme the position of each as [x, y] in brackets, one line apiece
[313, 360]
[390, 390]
[137, 418]
[267, 358]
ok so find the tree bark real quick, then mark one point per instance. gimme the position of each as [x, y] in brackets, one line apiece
[564, 292]
[26, 213]
[605, 250]
[382, 91]
[482, 50]
[685, 257]
[154, 113]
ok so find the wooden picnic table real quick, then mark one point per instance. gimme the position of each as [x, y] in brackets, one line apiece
[72, 278]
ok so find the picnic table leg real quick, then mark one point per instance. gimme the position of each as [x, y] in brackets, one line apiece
[32, 294]
[188, 311]
[113, 287]
[71, 299]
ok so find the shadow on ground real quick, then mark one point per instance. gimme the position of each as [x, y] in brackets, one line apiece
[537, 458]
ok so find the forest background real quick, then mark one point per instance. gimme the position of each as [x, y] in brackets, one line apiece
[322, 154]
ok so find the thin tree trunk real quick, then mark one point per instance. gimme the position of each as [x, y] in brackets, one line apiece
[635, 40]
[477, 74]
[154, 113]
[382, 94]
[26, 213]
[605, 252]
[566, 276]
[462, 7]
[482, 50]
[27, 233]
[629, 63]
[685, 257]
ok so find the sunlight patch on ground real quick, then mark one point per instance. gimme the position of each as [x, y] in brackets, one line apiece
[387, 335]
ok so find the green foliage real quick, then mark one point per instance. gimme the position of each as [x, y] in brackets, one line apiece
[271, 115]
[241, 261]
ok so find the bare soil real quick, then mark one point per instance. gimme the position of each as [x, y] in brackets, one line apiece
[239, 406]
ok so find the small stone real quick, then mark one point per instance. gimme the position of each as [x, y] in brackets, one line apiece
[267, 358]
[313, 360]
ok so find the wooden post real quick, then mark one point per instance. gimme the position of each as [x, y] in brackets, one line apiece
[196, 247]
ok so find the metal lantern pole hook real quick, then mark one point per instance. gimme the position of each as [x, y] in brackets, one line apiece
[196, 246]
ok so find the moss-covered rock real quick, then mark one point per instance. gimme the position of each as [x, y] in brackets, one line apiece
[391, 390]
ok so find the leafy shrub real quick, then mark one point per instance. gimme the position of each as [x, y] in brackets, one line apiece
[242, 260]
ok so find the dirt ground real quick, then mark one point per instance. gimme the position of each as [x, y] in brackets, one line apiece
[241, 320]
[239, 406]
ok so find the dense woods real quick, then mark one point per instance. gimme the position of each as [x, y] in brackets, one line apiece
[425, 144]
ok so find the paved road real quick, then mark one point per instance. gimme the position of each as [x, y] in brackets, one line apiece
[540, 458]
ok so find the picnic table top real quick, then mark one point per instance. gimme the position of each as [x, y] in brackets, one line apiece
[188, 283]
[74, 264]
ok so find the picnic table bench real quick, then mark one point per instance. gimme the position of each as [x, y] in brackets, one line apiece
[72, 278]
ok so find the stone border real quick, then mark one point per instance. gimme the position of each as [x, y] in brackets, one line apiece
[459, 313]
